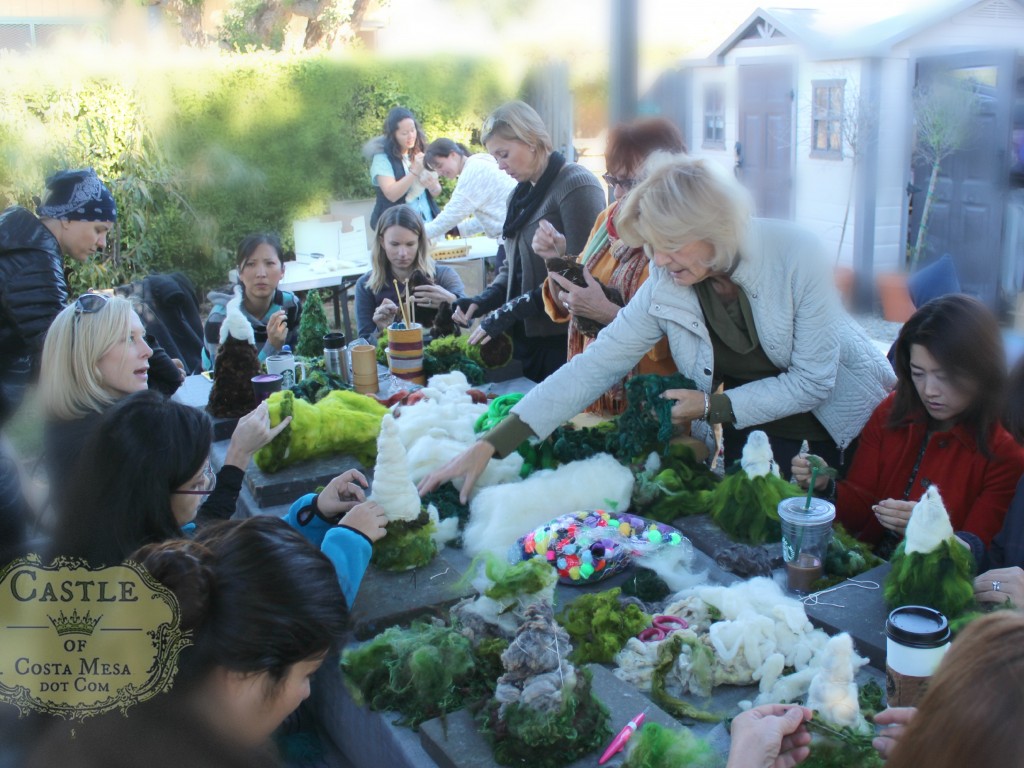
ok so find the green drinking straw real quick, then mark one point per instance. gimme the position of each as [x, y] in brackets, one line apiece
[810, 488]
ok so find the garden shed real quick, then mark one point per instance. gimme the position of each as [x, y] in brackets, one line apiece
[814, 112]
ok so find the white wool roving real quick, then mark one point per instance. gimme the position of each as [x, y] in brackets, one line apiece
[440, 427]
[757, 459]
[760, 633]
[929, 523]
[673, 565]
[501, 514]
[235, 324]
[393, 489]
[833, 691]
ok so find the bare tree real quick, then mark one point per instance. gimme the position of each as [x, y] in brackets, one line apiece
[944, 118]
[859, 120]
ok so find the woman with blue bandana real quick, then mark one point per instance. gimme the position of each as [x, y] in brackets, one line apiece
[73, 218]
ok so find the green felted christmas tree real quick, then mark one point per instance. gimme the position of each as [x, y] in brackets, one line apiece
[929, 567]
[312, 327]
[745, 504]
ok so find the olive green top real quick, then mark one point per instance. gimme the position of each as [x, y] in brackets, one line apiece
[739, 359]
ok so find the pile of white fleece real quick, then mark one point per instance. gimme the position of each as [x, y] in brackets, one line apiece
[440, 427]
[499, 515]
[833, 691]
[757, 633]
[929, 524]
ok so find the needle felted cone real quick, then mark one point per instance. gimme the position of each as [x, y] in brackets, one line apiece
[833, 691]
[312, 326]
[236, 363]
[929, 567]
[745, 504]
[408, 543]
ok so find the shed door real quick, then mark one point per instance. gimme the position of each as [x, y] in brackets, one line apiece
[764, 154]
[966, 220]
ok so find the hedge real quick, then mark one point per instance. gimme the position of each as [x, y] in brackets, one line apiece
[200, 149]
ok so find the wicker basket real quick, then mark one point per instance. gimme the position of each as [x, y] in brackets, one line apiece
[442, 253]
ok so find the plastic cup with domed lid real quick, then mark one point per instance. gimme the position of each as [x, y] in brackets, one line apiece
[806, 533]
[916, 639]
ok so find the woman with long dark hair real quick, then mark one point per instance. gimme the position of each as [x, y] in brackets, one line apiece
[145, 470]
[940, 426]
[397, 169]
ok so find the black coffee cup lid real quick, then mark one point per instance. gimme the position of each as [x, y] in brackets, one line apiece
[917, 626]
[334, 340]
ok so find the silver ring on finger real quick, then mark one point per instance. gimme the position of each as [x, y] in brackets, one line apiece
[997, 586]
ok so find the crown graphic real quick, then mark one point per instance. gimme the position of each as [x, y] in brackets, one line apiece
[74, 624]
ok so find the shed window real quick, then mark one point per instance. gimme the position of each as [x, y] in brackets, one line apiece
[827, 119]
[714, 116]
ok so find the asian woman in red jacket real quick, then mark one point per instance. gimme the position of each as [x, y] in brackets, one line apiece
[941, 426]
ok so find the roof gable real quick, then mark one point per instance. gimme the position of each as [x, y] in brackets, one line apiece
[848, 32]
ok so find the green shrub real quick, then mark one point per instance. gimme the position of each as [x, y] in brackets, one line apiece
[201, 149]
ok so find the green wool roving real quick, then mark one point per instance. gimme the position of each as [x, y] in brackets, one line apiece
[599, 624]
[835, 747]
[451, 353]
[656, 746]
[646, 424]
[675, 485]
[445, 499]
[407, 545]
[929, 567]
[702, 660]
[422, 672]
[527, 577]
[341, 422]
[498, 409]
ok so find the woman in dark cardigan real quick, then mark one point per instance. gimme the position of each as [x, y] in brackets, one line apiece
[549, 189]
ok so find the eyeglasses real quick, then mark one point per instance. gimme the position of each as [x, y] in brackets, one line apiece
[615, 181]
[204, 486]
[90, 303]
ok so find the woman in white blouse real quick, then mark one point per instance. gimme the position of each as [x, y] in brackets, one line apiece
[480, 199]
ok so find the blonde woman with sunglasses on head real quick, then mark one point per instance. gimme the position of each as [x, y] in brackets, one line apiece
[96, 354]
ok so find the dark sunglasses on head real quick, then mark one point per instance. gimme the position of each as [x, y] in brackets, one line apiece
[615, 181]
[89, 303]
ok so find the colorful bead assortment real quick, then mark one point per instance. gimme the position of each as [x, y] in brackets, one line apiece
[589, 546]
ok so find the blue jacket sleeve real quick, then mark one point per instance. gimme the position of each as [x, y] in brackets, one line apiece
[348, 550]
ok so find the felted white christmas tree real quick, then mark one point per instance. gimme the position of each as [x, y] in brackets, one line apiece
[833, 691]
[393, 487]
[929, 566]
[408, 543]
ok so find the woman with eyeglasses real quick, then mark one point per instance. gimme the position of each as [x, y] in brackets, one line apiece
[606, 260]
[746, 303]
[142, 476]
[95, 355]
[548, 188]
